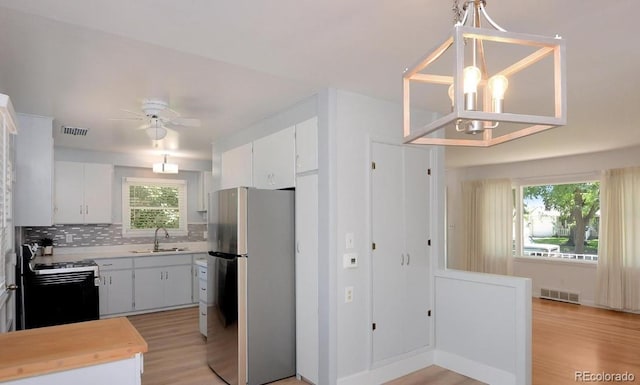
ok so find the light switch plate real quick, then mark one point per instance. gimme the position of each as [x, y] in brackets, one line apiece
[350, 260]
[348, 238]
[69, 238]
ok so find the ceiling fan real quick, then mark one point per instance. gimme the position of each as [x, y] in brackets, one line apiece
[158, 117]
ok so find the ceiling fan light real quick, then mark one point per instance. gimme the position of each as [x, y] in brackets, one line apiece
[156, 132]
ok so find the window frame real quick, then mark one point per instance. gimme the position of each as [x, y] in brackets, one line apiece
[520, 184]
[181, 184]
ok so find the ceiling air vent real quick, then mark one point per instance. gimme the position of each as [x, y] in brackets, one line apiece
[75, 131]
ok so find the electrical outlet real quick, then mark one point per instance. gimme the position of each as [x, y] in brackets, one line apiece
[69, 238]
[205, 234]
[348, 294]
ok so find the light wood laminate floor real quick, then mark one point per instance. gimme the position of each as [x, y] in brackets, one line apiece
[566, 338]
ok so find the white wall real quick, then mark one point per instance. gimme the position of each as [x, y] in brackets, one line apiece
[576, 277]
[483, 326]
[359, 120]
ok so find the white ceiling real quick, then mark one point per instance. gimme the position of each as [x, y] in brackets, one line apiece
[234, 62]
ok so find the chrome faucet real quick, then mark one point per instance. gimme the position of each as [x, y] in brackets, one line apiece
[156, 244]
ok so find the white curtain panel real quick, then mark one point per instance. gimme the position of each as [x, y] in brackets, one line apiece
[618, 282]
[487, 215]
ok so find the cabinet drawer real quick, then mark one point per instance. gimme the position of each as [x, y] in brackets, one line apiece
[202, 291]
[202, 319]
[202, 273]
[163, 260]
[114, 263]
[202, 307]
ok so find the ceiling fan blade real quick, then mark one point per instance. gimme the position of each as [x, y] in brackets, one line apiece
[136, 113]
[127, 119]
[187, 122]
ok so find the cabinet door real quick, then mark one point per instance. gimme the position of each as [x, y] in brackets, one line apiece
[274, 160]
[237, 167]
[307, 145]
[195, 284]
[34, 169]
[103, 294]
[149, 288]
[416, 207]
[177, 285]
[69, 193]
[306, 264]
[97, 192]
[120, 299]
[388, 259]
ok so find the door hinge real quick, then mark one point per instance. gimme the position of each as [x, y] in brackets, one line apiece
[428, 313]
[373, 165]
[428, 171]
[373, 246]
[373, 326]
[429, 242]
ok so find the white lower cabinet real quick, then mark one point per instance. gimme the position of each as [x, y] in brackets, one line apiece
[401, 296]
[162, 281]
[116, 286]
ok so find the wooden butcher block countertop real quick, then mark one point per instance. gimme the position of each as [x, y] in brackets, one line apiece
[34, 352]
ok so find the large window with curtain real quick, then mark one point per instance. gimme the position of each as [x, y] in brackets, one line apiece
[559, 220]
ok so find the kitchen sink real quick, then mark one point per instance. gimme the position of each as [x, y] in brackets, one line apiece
[162, 250]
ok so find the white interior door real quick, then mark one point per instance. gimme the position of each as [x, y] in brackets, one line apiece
[416, 207]
[388, 256]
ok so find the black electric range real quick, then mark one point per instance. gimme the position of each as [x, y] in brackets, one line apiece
[61, 293]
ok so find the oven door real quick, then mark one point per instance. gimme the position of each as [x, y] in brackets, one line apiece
[60, 298]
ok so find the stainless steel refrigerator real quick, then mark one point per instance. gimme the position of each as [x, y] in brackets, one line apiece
[251, 285]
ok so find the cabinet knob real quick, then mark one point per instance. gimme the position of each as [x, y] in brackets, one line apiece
[402, 260]
[12, 287]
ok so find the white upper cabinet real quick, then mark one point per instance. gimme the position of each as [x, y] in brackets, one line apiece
[83, 193]
[307, 145]
[33, 192]
[274, 160]
[237, 167]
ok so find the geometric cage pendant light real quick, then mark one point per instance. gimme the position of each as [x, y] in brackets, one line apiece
[478, 97]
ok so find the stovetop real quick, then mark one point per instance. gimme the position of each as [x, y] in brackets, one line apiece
[66, 267]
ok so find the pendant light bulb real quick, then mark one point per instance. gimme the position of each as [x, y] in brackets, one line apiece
[472, 76]
[498, 85]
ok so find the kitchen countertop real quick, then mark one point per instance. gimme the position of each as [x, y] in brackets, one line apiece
[39, 351]
[70, 254]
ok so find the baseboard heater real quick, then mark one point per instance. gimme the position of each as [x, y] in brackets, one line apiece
[559, 295]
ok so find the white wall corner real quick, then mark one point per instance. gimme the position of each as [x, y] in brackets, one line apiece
[390, 371]
[473, 369]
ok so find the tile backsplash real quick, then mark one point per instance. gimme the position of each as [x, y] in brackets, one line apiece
[103, 235]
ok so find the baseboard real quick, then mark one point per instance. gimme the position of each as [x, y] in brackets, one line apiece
[475, 370]
[389, 372]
